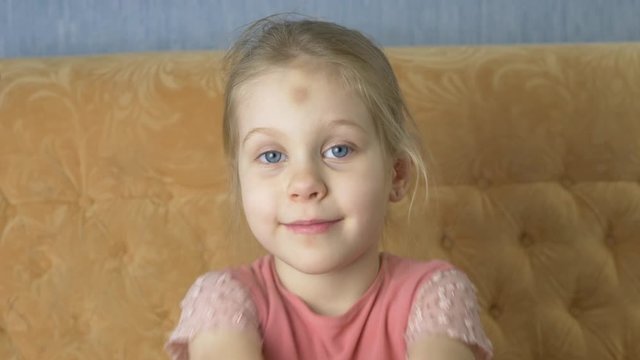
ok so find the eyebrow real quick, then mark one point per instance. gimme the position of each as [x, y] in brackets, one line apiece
[274, 132]
[267, 131]
[346, 122]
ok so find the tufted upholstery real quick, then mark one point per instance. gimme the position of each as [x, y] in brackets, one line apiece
[113, 195]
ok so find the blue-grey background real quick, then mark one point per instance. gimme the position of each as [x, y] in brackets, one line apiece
[67, 27]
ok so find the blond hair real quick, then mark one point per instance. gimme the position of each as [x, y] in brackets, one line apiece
[279, 41]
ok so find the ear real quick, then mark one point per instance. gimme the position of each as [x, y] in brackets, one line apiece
[401, 172]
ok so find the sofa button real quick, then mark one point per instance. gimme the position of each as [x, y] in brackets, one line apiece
[39, 264]
[610, 240]
[118, 249]
[11, 211]
[85, 201]
[495, 311]
[484, 183]
[161, 198]
[447, 242]
[526, 240]
[566, 182]
[574, 311]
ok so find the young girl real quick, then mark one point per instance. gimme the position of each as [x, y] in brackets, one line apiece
[320, 141]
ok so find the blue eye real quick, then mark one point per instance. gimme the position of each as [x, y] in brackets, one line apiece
[338, 151]
[271, 157]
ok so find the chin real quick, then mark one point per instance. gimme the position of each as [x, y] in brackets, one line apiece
[313, 266]
[317, 263]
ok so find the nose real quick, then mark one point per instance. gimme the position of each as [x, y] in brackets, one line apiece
[306, 184]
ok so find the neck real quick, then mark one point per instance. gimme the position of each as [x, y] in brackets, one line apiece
[332, 293]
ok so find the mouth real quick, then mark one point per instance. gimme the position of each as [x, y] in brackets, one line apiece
[311, 227]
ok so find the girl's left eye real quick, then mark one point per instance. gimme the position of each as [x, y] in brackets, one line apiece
[337, 151]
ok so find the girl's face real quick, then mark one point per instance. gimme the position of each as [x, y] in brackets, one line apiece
[315, 181]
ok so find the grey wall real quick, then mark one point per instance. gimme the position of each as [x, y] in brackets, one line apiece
[64, 27]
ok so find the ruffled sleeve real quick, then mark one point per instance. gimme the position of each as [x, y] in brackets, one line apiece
[215, 301]
[446, 304]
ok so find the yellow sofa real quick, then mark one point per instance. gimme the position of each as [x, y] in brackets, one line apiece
[113, 195]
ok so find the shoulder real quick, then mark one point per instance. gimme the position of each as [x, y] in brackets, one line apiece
[451, 279]
[403, 268]
[446, 305]
[219, 298]
[215, 286]
[242, 285]
[446, 294]
[215, 301]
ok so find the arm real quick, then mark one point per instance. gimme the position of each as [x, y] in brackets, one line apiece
[218, 321]
[444, 322]
[237, 345]
[439, 348]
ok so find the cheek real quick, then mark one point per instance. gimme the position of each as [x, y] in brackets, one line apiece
[257, 199]
[367, 193]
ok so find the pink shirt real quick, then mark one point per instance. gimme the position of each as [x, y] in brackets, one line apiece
[407, 300]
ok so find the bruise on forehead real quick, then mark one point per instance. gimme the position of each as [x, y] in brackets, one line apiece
[299, 94]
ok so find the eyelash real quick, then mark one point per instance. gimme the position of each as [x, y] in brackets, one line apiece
[262, 157]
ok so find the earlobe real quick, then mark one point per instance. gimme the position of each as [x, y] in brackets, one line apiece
[400, 178]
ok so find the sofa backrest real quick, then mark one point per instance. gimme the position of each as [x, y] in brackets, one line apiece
[114, 197]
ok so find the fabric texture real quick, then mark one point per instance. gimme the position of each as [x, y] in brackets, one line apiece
[214, 302]
[407, 301]
[114, 195]
[446, 305]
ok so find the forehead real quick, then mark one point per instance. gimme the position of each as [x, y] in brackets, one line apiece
[301, 94]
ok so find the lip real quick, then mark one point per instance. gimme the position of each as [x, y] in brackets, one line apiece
[311, 227]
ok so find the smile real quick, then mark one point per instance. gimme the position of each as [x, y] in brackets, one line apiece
[311, 227]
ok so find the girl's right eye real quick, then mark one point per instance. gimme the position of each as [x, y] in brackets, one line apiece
[271, 157]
